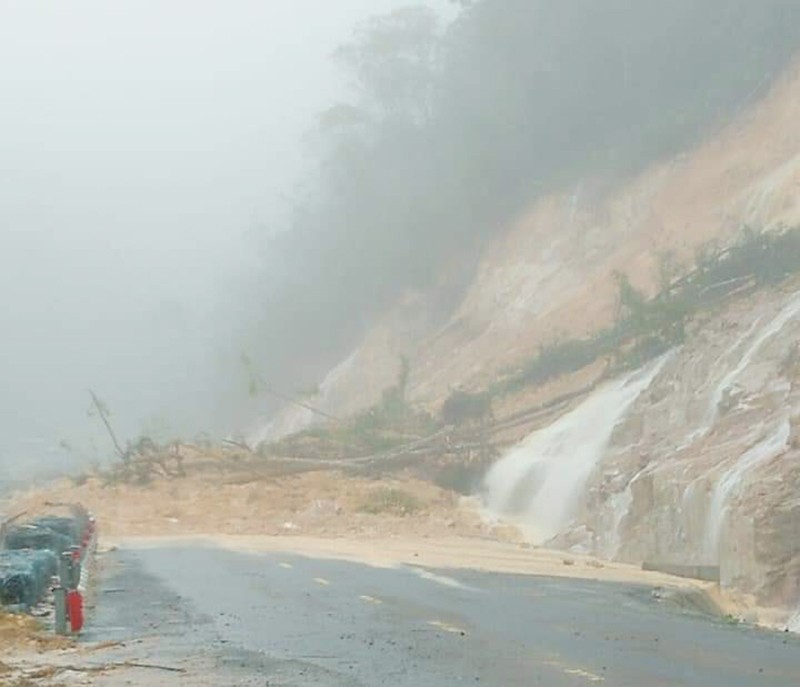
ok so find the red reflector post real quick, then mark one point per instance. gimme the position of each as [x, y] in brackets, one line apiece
[75, 610]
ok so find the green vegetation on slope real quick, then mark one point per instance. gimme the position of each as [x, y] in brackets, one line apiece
[647, 328]
[392, 423]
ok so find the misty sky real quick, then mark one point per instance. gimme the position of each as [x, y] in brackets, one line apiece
[140, 142]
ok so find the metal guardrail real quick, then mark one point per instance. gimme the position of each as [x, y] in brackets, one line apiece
[6, 524]
[73, 565]
[73, 580]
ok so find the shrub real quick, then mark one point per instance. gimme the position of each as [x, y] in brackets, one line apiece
[391, 501]
[647, 328]
[462, 407]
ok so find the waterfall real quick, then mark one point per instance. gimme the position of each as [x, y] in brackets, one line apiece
[540, 482]
[731, 480]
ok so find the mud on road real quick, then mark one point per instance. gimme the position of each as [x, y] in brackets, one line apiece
[214, 616]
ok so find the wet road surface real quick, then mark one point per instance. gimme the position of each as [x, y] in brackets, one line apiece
[273, 619]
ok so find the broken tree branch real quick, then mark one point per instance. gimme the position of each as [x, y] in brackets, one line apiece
[101, 411]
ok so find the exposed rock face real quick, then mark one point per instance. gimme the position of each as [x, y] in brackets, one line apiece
[711, 443]
[704, 466]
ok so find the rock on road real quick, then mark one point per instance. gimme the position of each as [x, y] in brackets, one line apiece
[277, 619]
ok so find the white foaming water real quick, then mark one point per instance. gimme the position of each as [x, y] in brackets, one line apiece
[794, 623]
[540, 482]
[730, 481]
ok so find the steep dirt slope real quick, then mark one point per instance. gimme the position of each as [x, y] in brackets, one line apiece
[692, 460]
[551, 274]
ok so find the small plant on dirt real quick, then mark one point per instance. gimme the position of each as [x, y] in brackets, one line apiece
[390, 501]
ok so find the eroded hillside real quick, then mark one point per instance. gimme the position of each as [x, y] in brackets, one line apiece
[702, 465]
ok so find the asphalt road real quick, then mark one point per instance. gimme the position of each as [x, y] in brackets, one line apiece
[283, 620]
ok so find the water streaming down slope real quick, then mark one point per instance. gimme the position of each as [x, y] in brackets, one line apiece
[719, 366]
[784, 317]
[540, 482]
[729, 482]
[794, 623]
[620, 505]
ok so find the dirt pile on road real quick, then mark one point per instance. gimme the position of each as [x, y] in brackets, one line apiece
[325, 503]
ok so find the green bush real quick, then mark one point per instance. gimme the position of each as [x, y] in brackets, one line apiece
[462, 407]
[390, 501]
[647, 328]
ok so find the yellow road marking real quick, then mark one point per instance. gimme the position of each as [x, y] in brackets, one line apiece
[322, 581]
[447, 627]
[577, 672]
[370, 599]
[584, 673]
[286, 565]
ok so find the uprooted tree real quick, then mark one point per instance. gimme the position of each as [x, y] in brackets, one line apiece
[142, 459]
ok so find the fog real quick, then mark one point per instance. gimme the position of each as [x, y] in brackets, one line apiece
[182, 182]
[140, 144]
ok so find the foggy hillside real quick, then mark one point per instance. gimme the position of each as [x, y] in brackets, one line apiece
[451, 130]
[141, 146]
[174, 194]
[523, 272]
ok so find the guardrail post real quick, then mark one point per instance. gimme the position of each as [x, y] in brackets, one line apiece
[60, 600]
[65, 569]
[65, 583]
[76, 567]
